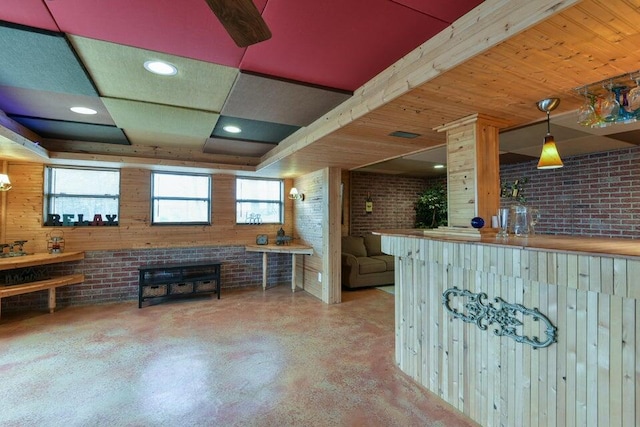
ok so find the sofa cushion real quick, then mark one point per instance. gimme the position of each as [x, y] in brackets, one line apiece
[373, 244]
[389, 260]
[368, 265]
[354, 245]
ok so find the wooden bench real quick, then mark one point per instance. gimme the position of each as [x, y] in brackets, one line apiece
[48, 284]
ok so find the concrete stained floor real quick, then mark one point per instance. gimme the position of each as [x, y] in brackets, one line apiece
[252, 358]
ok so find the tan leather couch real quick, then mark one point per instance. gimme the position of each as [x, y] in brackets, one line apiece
[364, 264]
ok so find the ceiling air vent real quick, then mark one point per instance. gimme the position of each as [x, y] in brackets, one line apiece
[402, 134]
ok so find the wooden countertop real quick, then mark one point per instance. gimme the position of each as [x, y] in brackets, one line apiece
[31, 260]
[292, 248]
[555, 243]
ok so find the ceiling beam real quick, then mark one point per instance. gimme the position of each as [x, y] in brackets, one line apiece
[489, 24]
[119, 161]
[18, 142]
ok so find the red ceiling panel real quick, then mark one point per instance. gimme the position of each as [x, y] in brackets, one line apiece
[448, 11]
[334, 43]
[186, 28]
[337, 43]
[33, 13]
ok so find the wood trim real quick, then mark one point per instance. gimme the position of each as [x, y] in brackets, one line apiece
[144, 162]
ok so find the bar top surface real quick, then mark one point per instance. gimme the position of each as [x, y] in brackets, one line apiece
[555, 243]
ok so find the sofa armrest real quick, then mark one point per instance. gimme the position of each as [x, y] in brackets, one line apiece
[349, 268]
[348, 259]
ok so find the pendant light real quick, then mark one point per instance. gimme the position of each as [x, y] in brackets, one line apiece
[549, 158]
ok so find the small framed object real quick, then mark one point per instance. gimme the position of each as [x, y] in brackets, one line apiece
[262, 239]
[368, 204]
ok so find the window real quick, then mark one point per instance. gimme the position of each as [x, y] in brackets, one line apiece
[259, 201]
[180, 198]
[80, 196]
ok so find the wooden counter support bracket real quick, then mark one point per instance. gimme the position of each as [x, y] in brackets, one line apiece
[48, 284]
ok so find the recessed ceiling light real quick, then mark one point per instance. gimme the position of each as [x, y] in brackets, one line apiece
[232, 129]
[161, 67]
[83, 110]
[438, 166]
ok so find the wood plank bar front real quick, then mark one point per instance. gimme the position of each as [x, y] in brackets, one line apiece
[588, 377]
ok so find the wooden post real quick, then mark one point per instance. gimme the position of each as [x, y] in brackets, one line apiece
[52, 299]
[473, 169]
[293, 272]
[264, 271]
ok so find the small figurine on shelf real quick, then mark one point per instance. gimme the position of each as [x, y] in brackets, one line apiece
[281, 239]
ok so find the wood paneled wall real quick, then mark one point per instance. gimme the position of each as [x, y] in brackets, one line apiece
[22, 218]
[590, 377]
[308, 227]
[317, 223]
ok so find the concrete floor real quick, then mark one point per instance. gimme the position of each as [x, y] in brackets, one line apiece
[252, 358]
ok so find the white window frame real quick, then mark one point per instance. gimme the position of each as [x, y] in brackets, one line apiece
[49, 196]
[208, 199]
[279, 202]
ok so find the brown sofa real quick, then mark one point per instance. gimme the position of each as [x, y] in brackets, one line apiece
[364, 264]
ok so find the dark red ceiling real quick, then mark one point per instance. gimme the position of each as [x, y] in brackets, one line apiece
[335, 43]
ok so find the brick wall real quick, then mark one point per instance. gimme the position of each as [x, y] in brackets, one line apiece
[394, 199]
[113, 275]
[592, 195]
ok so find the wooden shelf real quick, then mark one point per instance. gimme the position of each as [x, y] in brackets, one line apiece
[49, 285]
[40, 285]
[31, 260]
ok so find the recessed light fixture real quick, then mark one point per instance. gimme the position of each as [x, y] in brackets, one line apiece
[83, 110]
[438, 166]
[232, 129]
[160, 67]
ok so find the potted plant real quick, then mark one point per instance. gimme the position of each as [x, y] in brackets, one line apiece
[431, 207]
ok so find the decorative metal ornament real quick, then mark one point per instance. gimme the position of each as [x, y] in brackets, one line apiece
[484, 314]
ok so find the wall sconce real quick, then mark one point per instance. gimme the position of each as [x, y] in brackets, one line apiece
[294, 195]
[549, 158]
[5, 184]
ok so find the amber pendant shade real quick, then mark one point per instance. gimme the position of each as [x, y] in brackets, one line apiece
[549, 158]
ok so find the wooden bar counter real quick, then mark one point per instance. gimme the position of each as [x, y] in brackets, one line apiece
[587, 288]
